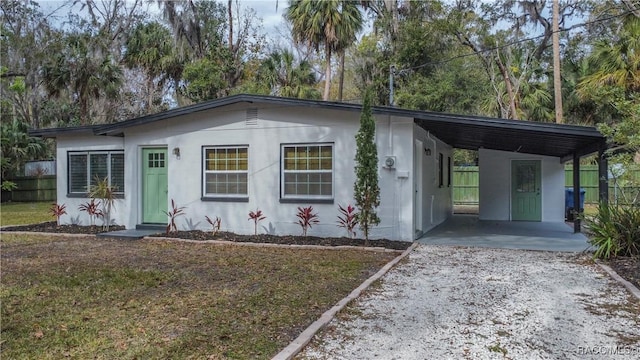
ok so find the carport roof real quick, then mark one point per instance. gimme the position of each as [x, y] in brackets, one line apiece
[460, 131]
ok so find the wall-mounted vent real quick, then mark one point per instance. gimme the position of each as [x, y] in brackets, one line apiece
[252, 117]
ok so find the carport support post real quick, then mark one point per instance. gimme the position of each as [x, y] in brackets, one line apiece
[603, 176]
[576, 193]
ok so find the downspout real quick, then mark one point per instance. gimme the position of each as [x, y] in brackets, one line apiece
[433, 199]
[390, 145]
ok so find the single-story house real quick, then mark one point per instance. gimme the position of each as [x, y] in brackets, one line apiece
[226, 157]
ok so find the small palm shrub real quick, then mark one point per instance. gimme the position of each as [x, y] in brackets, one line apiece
[58, 210]
[306, 218]
[256, 217]
[173, 214]
[92, 208]
[348, 219]
[215, 224]
[615, 230]
[107, 195]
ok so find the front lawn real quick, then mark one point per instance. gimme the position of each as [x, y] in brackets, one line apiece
[98, 298]
[24, 213]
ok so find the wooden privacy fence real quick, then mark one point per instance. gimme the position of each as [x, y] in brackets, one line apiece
[32, 188]
[466, 180]
[465, 185]
[589, 182]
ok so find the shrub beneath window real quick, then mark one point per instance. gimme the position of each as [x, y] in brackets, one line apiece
[215, 224]
[256, 217]
[306, 218]
[348, 220]
[93, 209]
[107, 194]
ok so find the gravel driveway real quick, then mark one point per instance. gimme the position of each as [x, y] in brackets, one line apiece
[473, 303]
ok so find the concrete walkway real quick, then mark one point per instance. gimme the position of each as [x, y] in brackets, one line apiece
[467, 230]
[129, 233]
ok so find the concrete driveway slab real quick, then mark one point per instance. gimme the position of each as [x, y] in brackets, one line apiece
[448, 302]
[468, 230]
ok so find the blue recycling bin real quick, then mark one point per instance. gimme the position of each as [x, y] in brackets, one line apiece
[568, 202]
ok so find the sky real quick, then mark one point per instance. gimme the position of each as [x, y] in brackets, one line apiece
[265, 9]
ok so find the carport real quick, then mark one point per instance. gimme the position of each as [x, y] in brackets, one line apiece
[467, 230]
[566, 142]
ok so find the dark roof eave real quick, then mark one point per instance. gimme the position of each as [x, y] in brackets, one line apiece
[54, 132]
[426, 119]
[216, 103]
[113, 129]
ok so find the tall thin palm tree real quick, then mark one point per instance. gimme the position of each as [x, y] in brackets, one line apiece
[331, 24]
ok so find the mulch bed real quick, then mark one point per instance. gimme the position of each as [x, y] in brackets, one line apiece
[628, 268]
[52, 227]
[287, 239]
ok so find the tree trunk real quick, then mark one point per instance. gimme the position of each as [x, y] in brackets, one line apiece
[341, 81]
[150, 92]
[230, 12]
[327, 75]
[509, 86]
[557, 81]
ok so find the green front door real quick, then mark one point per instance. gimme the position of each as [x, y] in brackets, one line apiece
[526, 204]
[154, 185]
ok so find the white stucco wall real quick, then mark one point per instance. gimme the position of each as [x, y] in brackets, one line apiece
[495, 185]
[276, 126]
[435, 205]
[85, 142]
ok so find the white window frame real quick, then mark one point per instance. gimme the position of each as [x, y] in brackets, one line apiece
[283, 171]
[206, 195]
[88, 154]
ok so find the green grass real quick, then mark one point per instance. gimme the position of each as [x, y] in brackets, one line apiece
[25, 213]
[83, 298]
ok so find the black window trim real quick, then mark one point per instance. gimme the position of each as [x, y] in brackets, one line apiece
[118, 194]
[313, 199]
[440, 169]
[222, 197]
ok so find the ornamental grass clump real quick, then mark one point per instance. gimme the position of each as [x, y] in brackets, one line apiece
[615, 230]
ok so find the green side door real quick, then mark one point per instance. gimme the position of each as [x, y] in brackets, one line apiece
[154, 185]
[526, 201]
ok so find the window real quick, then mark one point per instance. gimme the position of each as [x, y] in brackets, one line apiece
[307, 171]
[225, 171]
[449, 172]
[86, 168]
[440, 169]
